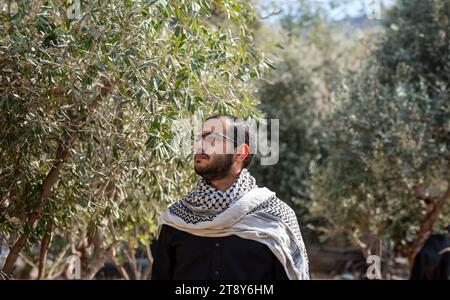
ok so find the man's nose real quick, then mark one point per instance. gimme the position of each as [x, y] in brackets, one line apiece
[198, 147]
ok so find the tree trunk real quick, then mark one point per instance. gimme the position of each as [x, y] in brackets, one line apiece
[366, 249]
[58, 263]
[427, 226]
[50, 180]
[44, 249]
[148, 269]
[131, 257]
[62, 153]
[120, 268]
[98, 257]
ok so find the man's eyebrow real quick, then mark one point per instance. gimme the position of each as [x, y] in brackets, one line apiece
[205, 133]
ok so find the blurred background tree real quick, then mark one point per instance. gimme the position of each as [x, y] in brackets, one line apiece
[311, 58]
[386, 174]
[364, 122]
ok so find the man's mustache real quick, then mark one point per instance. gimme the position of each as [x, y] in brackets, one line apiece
[201, 154]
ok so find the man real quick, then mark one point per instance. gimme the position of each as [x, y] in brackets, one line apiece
[227, 227]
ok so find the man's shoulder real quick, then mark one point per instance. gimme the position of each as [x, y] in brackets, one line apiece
[275, 203]
[169, 229]
[174, 232]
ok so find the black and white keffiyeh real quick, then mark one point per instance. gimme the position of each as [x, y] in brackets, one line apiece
[205, 202]
[244, 210]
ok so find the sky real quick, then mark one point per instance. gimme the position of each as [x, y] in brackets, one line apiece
[353, 8]
[343, 9]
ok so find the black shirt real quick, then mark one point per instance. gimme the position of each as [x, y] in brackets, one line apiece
[182, 256]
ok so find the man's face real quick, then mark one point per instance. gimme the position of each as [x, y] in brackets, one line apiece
[214, 154]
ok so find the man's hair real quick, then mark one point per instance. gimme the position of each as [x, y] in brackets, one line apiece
[239, 126]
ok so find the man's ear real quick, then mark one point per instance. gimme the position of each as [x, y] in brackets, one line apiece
[242, 152]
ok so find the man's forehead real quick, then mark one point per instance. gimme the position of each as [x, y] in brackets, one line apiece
[217, 125]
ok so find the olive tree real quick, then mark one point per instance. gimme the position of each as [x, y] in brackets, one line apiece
[89, 93]
[386, 176]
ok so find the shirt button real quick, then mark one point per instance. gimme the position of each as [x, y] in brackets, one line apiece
[217, 245]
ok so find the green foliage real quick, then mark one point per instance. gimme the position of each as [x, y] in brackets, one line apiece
[389, 140]
[106, 88]
[300, 92]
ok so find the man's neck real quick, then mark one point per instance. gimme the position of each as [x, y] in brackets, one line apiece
[224, 184]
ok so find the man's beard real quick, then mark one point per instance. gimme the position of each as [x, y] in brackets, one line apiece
[219, 167]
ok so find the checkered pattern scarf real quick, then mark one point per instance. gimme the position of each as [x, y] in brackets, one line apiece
[205, 202]
[244, 210]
